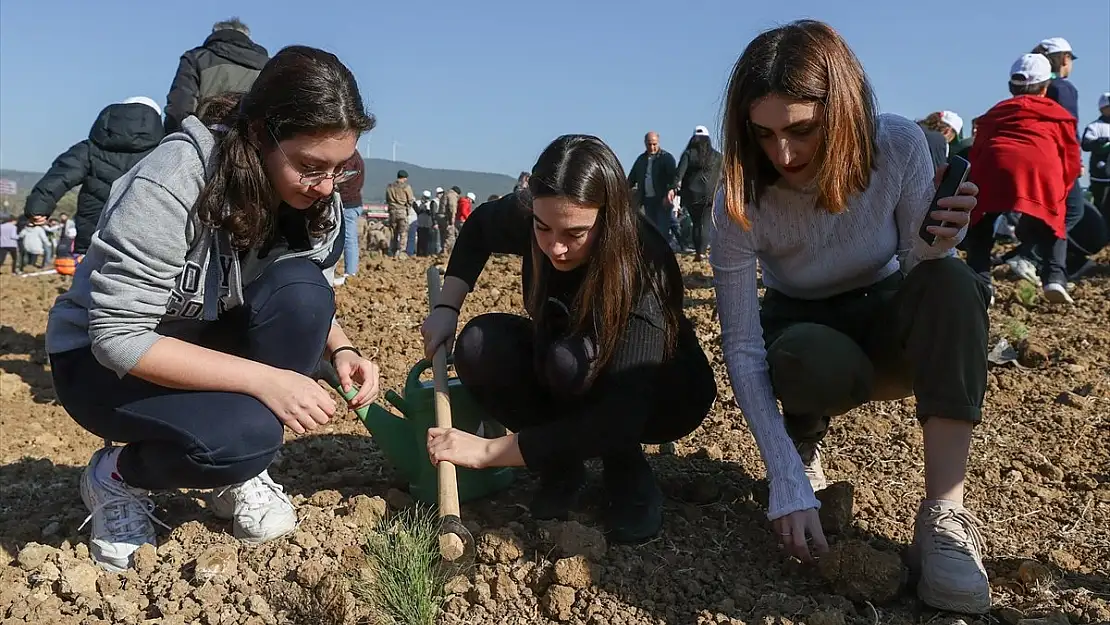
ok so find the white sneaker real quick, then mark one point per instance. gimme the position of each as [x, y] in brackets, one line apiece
[811, 459]
[121, 515]
[339, 280]
[948, 553]
[259, 508]
[1024, 269]
[1057, 293]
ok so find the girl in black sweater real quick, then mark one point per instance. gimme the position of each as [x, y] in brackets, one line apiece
[606, 360]
[696, 180]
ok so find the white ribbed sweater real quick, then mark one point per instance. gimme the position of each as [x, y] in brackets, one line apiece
[807, 253]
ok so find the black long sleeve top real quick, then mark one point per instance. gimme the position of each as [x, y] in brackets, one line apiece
[624, 393]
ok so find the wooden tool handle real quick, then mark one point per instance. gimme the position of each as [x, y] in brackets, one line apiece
[448, 482]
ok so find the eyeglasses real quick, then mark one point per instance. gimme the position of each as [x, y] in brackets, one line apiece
[313, 178]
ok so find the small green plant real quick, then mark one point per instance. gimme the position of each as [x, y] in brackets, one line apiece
[1015, 330]
[1027, 293]
[402, 580]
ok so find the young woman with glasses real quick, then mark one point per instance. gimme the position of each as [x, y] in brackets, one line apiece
[205, 304]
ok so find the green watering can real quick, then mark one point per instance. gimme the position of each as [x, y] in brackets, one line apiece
[404, 440]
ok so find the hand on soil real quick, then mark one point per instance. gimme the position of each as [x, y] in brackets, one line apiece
[439, 329]
[298, 401]
[460, 448]
[792, 530]
[354, 369]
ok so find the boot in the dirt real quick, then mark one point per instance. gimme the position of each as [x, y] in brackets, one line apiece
[121, 515]
[259, 509]
[635, 511]
[558, 493]
[807, 432]
[947, 554]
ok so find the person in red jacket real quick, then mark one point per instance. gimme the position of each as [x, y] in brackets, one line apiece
[463, 211]
[1025, 159]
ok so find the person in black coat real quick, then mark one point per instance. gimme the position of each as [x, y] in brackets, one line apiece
[227, 61]
[120, 137]
[698, 169]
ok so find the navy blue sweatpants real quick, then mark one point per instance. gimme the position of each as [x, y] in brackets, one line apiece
[199, 439]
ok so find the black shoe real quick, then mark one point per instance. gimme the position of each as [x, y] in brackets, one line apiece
[635, 511]
[558, 493]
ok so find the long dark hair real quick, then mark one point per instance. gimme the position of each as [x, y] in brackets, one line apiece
[584, 170]
[809, 61]
[299, 90]
[700, 149]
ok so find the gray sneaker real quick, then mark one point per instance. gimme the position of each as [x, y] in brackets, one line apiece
[121, 517]
[948, 553]
[811, 459]
[259, 508]
[1024, 269]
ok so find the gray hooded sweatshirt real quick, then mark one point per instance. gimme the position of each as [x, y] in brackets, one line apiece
[153, 269]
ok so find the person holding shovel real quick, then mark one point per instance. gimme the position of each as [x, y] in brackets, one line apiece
[829, 197]
[205, 305]
[605, 361]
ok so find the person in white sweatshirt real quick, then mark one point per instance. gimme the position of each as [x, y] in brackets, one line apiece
[827, 196]
[35, 243]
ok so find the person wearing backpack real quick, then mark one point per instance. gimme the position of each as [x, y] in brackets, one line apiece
[696, 179]
[227, 61]
[122, 135]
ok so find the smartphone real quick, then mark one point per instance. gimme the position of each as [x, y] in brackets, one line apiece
[954, 176]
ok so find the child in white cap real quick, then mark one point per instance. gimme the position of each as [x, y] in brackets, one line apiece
[1096, 140]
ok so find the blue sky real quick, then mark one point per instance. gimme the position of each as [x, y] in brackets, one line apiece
[486, 85]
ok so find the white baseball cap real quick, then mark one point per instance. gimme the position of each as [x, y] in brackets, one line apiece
[427, 193]
[953, 120]
[1104, 100]
[471, 196]
[701, 130]
[1030, 69]
[439, 189]
[1057, 44]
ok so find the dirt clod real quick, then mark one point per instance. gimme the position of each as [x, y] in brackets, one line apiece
[366, 511]
[221, 561]
[574, 539]
[574, 572]
[862, 573]
[1032, 354]
[33, 555]
[499, 547]
[836, 507]
[558, 601]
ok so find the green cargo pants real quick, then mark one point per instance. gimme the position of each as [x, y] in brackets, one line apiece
[923, 334]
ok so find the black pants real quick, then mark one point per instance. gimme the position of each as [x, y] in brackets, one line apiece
[699, 210]
[496, 359]
[925, 333]
[14, 253]
[1038, 243]
[200, 439]
[658, 213]
[425, 242]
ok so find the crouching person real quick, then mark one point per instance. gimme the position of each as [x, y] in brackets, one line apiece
[203, 306]
[605, 360]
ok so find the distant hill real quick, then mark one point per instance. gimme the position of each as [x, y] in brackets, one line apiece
[379, 173]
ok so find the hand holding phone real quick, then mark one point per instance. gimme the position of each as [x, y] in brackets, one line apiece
[954, 176]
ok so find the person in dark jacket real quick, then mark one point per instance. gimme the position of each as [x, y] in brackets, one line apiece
[696, 181]
[1096, 140]
[942, 132]
[350, 192]
[592, 371]
[653, 177]
[120, 137]
[228, 60]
